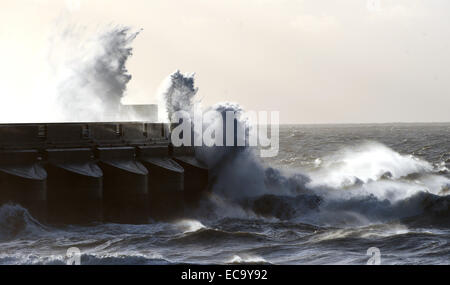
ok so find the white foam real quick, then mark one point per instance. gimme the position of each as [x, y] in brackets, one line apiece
[367, 162]
[244, 258]
[189, 226]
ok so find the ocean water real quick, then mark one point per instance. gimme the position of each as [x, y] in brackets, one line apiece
[333, 192]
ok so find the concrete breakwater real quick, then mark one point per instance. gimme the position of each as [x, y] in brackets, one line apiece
[79, 173]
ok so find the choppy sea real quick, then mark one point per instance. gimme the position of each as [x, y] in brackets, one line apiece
[331, 193]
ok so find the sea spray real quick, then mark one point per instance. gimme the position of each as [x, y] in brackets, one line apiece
[177, 94]
[236, 171]
[96, 77]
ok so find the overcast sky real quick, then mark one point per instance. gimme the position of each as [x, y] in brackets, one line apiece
[347, 61]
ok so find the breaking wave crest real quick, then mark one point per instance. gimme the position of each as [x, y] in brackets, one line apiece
[16, 221]
[367, 162]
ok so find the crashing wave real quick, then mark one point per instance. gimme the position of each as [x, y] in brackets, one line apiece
[365, 184]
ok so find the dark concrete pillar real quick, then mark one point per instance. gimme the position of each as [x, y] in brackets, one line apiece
[23, 181]
[195, 173]
[166, 182]
[125, 185]
[74, 192]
